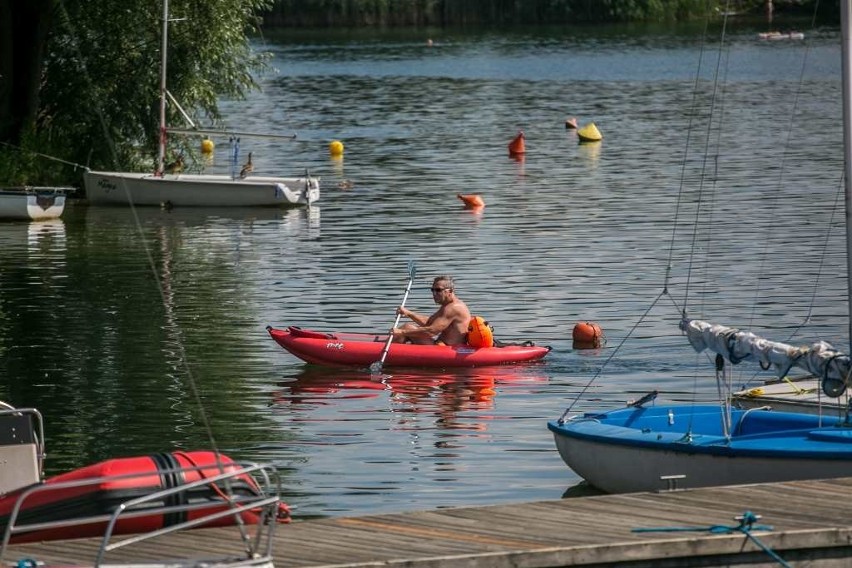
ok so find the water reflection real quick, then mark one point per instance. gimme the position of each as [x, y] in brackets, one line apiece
[318, 385]
[590, 152]
[442, 395]
[417, 426]
[49, 233]
[448, 401]
[37, 238]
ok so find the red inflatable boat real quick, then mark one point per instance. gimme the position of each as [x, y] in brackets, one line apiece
[95, 492]
[363, 349]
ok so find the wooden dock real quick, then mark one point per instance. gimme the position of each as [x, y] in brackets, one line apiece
[811, 524]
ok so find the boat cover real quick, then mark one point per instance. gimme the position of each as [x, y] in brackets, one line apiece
[820, 358]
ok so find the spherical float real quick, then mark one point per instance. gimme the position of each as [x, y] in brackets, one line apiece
[335, 148]
[587, 335]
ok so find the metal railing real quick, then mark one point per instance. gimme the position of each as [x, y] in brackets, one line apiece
[264, 505]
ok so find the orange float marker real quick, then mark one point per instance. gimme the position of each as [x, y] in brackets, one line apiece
[472, 201]
[571, 123]
[587, 335]
[516, 146]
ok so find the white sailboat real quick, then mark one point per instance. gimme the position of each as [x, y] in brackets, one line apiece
[33, 203]
[649, 448]
[177, 189]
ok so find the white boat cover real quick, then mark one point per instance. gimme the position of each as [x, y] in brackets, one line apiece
[820, 359]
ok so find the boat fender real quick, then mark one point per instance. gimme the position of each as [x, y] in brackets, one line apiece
[479, 333]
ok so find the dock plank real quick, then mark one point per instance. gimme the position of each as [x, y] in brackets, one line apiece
[584, 531]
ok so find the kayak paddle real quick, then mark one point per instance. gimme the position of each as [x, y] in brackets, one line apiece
[377, 366]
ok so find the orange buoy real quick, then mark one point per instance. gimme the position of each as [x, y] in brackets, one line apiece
[516, 146]
[571, 123]
[587, 335]
[472, 201]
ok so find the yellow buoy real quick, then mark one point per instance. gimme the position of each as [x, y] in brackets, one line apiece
[336, 148]
[589, 133]
[207, 146]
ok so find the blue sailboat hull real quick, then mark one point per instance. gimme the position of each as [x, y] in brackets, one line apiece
[680, 446]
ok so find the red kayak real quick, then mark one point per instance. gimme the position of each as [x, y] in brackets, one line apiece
[344, 349]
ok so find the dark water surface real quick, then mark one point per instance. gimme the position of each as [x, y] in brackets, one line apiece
[120, 365]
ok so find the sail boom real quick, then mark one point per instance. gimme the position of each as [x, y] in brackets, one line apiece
[735, 345]
[215, 132]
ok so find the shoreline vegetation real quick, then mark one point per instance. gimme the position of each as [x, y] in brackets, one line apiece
[452, 13]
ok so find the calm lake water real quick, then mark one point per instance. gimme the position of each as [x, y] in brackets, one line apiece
[137, 334]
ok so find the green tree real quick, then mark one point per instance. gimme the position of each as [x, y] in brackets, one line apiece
[80, 78]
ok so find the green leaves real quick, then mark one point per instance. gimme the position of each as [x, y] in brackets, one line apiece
[98, 101]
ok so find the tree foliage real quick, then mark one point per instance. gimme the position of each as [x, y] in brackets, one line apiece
[96, 100]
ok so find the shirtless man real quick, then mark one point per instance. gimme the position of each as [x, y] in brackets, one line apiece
[447, 326]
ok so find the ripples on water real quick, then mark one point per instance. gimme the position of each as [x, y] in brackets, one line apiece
[572, 232]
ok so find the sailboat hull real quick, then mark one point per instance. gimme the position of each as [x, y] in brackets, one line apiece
[659, 448]
[194, 190]
[35, 205]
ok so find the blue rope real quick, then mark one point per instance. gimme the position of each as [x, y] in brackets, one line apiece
[746, 525]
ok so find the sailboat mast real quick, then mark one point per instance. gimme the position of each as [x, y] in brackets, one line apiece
[161, 151]
[846, 74]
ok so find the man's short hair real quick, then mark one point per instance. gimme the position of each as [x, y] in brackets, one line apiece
[450, 283]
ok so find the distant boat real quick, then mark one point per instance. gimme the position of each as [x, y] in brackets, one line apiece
[198, 190]
[170, 187]
[33, 203]
[781, 35]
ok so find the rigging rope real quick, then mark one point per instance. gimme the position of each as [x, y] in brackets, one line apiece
[746, 526]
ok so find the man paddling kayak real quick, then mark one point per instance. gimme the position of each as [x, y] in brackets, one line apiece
[447, 326]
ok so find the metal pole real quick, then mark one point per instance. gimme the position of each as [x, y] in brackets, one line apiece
[161, 151]
[846, 74]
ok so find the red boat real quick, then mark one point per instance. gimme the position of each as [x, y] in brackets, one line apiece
[80, 503]
[161, 492]
[345, 349]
